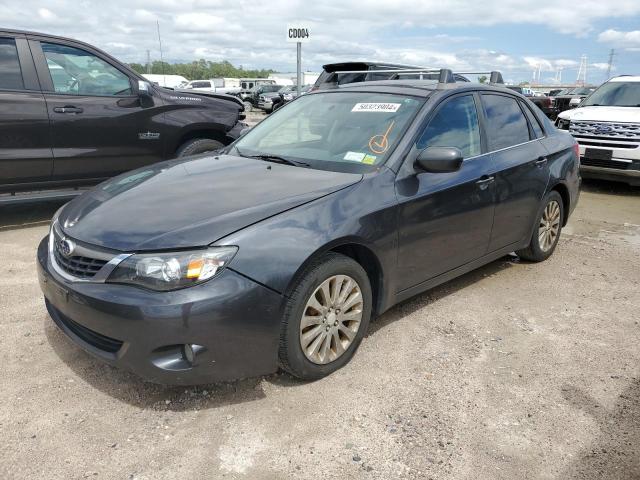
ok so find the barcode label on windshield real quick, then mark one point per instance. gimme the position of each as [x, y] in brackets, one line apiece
[376, 107]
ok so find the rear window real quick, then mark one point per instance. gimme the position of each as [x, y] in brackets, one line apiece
[10, 73]
[506, 123]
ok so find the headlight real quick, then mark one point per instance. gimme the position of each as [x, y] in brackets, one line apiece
[563, 124]
[172, 270]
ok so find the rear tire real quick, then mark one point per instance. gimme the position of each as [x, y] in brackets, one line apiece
[547, 229]
[331, 325]
[198, 145]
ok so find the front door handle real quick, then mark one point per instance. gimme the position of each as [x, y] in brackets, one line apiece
[485, 181]
[541, 161]
[68, 109]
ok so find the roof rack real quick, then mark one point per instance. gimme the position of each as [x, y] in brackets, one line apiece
[446, 77]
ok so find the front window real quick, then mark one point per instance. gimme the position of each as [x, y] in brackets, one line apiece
[78, 72]
[615, 94]
[343, 131]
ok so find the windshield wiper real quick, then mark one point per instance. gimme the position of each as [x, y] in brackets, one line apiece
[273, 158]
[277, 159]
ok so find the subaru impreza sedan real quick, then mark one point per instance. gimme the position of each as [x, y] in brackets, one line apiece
[278, 251]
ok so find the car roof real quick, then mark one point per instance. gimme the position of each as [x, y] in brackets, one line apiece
[626, 78]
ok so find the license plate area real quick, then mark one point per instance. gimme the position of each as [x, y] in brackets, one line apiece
[598, 154]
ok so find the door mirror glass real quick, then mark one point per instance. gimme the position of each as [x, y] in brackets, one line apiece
[143, 88]
[439, 159]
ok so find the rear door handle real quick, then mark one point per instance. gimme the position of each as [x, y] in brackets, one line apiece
[485, 181]
[68, 109]
[541, 161]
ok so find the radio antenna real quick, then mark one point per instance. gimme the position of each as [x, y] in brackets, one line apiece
[164, 78]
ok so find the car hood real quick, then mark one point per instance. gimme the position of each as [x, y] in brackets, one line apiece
[603, 114]
[193, 202]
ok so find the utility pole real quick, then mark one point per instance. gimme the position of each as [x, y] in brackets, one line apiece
[148, 61]
[611, 55]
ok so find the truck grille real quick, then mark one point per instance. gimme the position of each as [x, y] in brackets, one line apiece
[78, 266]
[605, 134]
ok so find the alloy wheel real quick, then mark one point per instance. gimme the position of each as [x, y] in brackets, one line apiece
[331, 319]
[549, 227]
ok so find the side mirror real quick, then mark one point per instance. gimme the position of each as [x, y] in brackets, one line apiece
[144, 92]
[439, 159]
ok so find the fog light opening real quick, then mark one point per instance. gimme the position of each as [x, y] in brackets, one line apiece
[187, 353]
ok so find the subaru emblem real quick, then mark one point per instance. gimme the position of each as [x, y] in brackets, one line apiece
[66, 247]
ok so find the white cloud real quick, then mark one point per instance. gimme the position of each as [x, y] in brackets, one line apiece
[620, 39]
[251, 32]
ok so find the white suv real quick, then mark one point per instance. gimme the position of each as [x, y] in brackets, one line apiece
[607, 127]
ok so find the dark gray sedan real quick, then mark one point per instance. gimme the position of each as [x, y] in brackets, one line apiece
[278, 251]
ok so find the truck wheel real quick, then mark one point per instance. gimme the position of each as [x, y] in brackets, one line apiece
[325, 318]
[198, 145]
[248, 106]
[547, 229]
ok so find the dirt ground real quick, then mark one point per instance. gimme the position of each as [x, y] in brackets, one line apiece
[514, 371]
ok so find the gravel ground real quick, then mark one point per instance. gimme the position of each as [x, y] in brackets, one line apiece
[513, 371]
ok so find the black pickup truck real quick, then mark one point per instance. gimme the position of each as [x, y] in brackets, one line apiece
[72, 115]
[544, 103]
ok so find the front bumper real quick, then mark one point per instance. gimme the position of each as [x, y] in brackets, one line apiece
[234, 133]
[265, 105]
[624, 166]
[233, 323]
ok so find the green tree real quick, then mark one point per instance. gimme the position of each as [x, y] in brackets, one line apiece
[202, 69]
[482, 79]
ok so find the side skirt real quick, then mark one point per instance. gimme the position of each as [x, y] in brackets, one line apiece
[456, 272]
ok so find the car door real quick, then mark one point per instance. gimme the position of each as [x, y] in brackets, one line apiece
[98, 125]
[445, 218]
[522, 170]
[25, 150]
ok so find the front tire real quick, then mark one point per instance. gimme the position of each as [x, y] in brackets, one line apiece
[198, 145]
[547, 231]
[325, 318]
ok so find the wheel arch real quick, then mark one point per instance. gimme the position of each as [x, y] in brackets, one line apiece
[209, 133]
[361, 253]
[563, 190]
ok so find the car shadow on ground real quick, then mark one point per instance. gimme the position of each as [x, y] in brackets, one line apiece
[615, 452]
[593, 185]
[13, 217]
[129, 388]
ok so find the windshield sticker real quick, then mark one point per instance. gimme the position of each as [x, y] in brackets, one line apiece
[369, 159]
[354, 156]
[376, 107]
[379, 144]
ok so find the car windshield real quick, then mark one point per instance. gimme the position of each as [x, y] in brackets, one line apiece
[616, 94]
[342, 131]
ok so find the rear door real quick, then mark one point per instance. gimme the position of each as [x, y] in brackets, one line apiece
[445, 219]
[522, 170]
[98, 125]
[25, 150]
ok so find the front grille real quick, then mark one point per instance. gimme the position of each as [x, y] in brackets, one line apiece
[592, 162]
[606, 134]
[99, 341]
[78, 266]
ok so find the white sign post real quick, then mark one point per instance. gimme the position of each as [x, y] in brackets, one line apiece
[298, 33]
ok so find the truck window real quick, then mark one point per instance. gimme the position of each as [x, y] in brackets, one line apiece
[10, 73]
[78, 72]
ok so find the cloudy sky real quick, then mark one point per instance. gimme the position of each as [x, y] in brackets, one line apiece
[516, 36]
